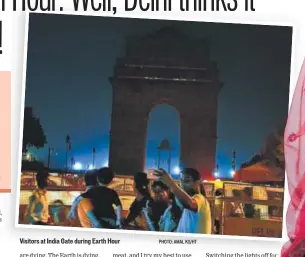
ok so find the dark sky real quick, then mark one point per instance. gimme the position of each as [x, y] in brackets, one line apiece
[71, 57]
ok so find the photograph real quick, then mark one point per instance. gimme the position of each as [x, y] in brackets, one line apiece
[154, 125]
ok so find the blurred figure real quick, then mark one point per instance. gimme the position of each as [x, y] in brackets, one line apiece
[90, 179]
[249, 209]
[96, 207]
[170, 219]
[37, 211]
[142, 202]
[161, 201]
[162, 198]
[160, 192]
[196, 215]
[218, 210]
[60, 213]
[235, 209]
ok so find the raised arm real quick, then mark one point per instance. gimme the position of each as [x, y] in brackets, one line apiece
[187, 201]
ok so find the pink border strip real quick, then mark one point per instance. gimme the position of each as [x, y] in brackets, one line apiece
[295, 168]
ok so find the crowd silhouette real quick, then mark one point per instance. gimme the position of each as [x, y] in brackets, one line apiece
[159, 205]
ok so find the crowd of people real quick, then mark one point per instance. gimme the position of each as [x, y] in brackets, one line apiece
[162, 205]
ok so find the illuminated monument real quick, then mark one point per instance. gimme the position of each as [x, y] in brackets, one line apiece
[164, 67]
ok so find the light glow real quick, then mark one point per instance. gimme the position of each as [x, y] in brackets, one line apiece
[177, 170]
[232, 173]
[78, 166]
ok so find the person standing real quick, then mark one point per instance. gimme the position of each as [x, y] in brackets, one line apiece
[161, 201]
[139, 216]
[82, 217]
[37, 211]
[196, 215]
[97, 203]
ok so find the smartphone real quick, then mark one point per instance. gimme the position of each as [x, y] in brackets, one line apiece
[151, 174]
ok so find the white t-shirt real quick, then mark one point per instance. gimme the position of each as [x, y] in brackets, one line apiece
[197, 222]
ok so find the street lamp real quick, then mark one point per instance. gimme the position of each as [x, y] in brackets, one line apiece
[93, 156]
[51, 150]
[68, 144]
[233, 160]
[233, 163]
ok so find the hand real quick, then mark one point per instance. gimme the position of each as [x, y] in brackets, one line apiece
[146, 209]
[163, 176]
[71, 216]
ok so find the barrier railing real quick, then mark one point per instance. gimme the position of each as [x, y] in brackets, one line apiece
[267, 203]
[252, 210]
[210, 195]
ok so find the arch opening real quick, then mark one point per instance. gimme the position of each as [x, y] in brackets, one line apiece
[163, 139]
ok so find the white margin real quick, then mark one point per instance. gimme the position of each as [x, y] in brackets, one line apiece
[25, 51]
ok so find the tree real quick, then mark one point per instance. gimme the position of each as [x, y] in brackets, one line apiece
[33, 133]
[255, 159]
[273, 150]
[272, 153]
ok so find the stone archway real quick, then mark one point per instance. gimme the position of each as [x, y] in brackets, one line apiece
[164, 67]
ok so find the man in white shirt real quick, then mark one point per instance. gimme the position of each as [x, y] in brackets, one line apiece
[196, 216]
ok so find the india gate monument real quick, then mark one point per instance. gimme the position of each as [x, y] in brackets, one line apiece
[164, 67]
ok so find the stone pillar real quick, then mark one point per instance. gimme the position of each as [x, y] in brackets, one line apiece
[127, 134]
[198, 134]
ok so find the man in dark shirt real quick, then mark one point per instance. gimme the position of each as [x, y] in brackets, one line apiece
[103, 199]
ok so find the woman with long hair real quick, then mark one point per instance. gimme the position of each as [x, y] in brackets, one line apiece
[170, 219]
[143, 199]
[164, 213]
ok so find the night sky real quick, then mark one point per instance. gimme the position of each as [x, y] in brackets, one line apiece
[70, 59]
